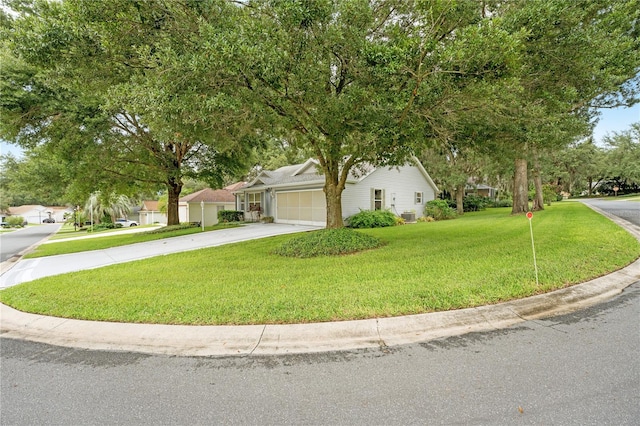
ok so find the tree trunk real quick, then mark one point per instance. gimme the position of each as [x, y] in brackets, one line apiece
[174, 188]
[460, 199]
[520, 188]
[333, 194]
[538, 200]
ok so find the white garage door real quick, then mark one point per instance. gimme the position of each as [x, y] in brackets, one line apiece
[301, 207]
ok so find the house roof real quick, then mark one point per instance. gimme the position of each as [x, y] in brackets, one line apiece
[150, 206]
[478, 186]
[235, 186]
[307, 173]
[29, 208]
[18, 210]
[209, 195]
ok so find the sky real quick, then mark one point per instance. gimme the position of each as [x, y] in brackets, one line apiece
[611, 120]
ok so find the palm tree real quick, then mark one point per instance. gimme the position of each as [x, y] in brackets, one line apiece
[110, 205]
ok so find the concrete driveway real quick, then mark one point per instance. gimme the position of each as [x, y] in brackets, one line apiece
[31, 269]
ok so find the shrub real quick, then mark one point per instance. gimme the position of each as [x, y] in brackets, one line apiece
[372, 219]
[506, 202]
[426, 219]
[230, 216]
[170, 228]
[15, 221]
[439, 210]
[474, 203]
[267, 219]
[327, 242]
[103, 226]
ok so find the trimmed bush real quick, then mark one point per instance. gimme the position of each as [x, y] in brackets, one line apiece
[104, 226]
[230, 216]
[15, 221]
[474, 203]
[506, 202]
[372, 219]
[327, 242]
[439, 210]
[171, 228]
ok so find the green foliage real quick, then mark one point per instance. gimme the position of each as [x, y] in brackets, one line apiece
[474, 203]
[422, 219]
[225, 216]
[439, 210]
[267, 219]
[15, 221]
[372, 219]
[103, 227]
[504, 202]
[327, 242]
[170, 229]
[623, 158]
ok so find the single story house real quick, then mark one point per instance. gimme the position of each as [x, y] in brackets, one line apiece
[149, 213]
[36, 213]
[481, 189]
[293, 194]
[205, 204]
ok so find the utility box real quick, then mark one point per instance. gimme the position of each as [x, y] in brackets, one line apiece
[409, 217]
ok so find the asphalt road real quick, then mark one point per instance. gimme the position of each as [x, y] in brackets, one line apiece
[12, 243]
[628, 210]
[580, 369]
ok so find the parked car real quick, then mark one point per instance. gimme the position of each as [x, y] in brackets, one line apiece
[48, 220]
[126, 223]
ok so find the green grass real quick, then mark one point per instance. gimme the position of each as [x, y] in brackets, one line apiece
[480, 258]
[99, 243]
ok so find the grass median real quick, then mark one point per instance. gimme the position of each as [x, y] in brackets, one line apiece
[480, 258]
[101, 241]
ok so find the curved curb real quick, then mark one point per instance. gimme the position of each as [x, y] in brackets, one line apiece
[246, 340]
[184, 340]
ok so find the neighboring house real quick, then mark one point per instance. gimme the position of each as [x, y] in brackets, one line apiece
[293, 194]
[208, 201]
[149, 214]
[37, 213]
[481, 190]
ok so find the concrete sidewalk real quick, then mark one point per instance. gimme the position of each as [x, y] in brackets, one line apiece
[278, 339]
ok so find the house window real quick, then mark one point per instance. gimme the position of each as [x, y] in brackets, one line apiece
[255, 201]
[418, 197]
[377, 199]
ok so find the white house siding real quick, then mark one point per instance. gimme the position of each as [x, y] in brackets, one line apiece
[308, 207]
[399, 185]
[210, 212]
[150, 217]
[183, 212]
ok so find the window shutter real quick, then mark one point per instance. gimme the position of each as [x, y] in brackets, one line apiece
[373, 199]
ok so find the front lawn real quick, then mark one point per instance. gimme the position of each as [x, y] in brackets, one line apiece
[479, 259]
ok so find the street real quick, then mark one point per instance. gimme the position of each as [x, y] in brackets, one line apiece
[12, 243]
[627, 210]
